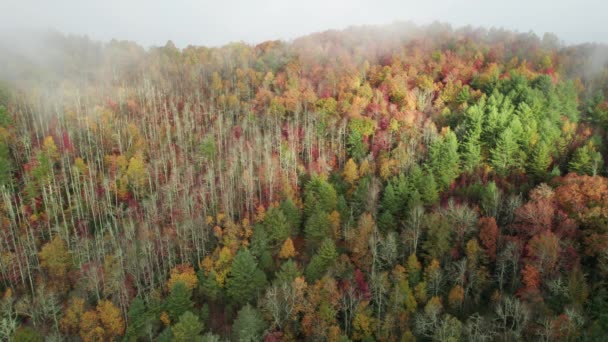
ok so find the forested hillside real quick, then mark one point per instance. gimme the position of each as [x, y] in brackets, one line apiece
[393, 183]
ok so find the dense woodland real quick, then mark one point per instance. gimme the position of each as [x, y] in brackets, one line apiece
[394, 183]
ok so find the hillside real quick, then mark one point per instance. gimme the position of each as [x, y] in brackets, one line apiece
[391, 183]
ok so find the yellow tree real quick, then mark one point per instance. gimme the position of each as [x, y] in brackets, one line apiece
[56, 260]
[183, 273]
[287, 250]
[111, 319]
[351, 172]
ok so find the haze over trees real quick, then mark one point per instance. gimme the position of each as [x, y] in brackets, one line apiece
[392, 183]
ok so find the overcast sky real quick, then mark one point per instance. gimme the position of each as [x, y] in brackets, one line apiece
[212, 23]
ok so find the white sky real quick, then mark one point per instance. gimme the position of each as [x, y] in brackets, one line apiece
[212, 23]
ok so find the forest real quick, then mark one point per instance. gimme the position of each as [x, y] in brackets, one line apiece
[378, 183]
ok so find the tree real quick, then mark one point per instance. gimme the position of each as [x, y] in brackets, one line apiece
[248, 325]
[138, 317]
[505, 156]
[444, 160]
[276, 226]
[541, 159]
[188, 328]
[287, 250]
[322, 260]
[111, 319]
[245, 279]
[56, 259]
[470, 149]
[179, 300]
[350, 173]
[185, 274]
[488, 234]
[586, 161]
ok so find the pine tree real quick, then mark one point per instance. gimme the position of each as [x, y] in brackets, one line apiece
[288, 272]
[293, 216]
[179, 301]
[318, 227]
[245, 279]
[188, 328]
[444, 160]
[505, 156]
[585, 161]
[276, 226]
[470, 149]
[540, 159]
[248, 325]
[137, 319]
[320, 262]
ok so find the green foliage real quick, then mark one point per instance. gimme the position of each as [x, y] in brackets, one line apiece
[248, 325]
[444, 160]
[188, 328]
[276, 226]
[586, 161]
[319, 195]
[288, 272]
[179, 300]
[292, 214]
[356, 147]
[322, 260]
[245, 279]
[506, 156]
[27, 334]
[138, 317]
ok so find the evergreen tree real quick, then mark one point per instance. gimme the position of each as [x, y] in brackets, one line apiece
[288, 272]
[245, 279]
[209, 286]
[586, 161]
[540, 159]
[188, 328]
[248, 325]
[293, 216]
[179, 300]
[276, 226]
[322, 260]
[138, 318]
[470, 149]
[505, 156]
[444, 159]
[318, 227]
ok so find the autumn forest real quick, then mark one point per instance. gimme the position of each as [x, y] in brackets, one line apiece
[393, 183]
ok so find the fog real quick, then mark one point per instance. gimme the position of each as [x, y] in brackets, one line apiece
[213, 23]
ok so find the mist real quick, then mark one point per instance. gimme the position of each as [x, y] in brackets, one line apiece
[215, 23]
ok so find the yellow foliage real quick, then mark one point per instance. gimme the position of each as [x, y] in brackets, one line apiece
[137, 173]
[260, 214]
[185, 274]
[364, 169]
[89, 325]
[111, 319]
[55, 258]
[50, 148]
[456, 296]
[350, 173]
[81, 166]
[334, 219]
[362, 323]
[72, 316]
[287, 250]
[164, 317]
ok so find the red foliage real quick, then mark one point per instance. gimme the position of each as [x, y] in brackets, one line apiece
[362, 286]
[488, 234]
